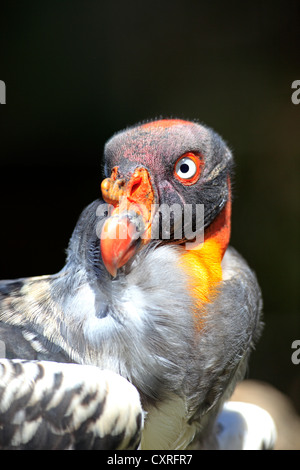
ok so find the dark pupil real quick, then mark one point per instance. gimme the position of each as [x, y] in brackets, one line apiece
[184, 168]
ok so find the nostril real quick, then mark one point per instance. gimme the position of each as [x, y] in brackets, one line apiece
[135, 186]
[120, 183]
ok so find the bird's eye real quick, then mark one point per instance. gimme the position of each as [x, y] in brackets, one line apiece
[187, 169]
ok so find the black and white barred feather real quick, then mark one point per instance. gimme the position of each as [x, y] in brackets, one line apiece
[55, 406]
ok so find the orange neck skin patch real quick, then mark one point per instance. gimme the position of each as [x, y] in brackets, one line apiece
[203, 265]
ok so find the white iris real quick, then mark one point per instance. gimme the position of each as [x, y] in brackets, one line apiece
[186, 168]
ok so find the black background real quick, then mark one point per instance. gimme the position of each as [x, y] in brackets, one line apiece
[78, 71]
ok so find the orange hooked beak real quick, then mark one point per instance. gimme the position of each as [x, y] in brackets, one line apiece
[129, 224]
